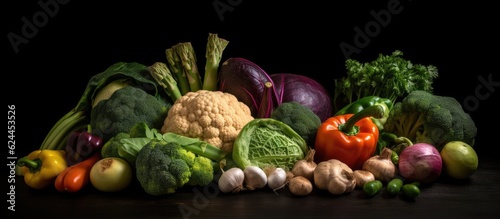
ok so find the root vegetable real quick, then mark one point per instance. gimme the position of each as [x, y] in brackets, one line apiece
[420, 162]
[300, 186]
[362, 177]
[276, 177]
[111, 174]
[232, 180]
[335, 176]
[255, 178]
[306, 166]
[381, 166]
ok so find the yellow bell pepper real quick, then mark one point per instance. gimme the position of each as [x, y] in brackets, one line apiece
[41, 167]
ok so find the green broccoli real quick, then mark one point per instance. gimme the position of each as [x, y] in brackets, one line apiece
[424, 117]
[126, 145]
[162, 167]
[110, 148]
[125, 108]
[300, 118]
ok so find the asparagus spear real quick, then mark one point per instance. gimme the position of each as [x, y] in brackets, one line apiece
[161, 73]
[215, 47]
[187, 56]
[175, 66]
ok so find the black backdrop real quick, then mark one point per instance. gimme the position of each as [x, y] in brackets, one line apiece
[53, 48]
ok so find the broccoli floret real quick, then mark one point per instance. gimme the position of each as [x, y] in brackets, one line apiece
[110, 148]
[424, 117]
[126, 145]
[202, 172]
[125, 108]
[300, 118]
[162, 167]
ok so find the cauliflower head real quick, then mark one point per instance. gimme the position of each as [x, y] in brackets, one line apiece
[213, 116]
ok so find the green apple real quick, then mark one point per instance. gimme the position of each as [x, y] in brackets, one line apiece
[460, 160]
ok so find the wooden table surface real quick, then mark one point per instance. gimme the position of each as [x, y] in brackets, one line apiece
[477, 197]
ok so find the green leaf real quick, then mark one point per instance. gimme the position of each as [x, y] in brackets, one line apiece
[130, 147]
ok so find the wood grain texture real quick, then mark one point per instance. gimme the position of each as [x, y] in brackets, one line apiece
[477, 197]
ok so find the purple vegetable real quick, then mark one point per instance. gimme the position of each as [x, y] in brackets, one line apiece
[246, 80]
[420, 162]
[304, 90]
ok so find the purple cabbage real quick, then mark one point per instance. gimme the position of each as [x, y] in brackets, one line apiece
[246, 80]
[304, 90]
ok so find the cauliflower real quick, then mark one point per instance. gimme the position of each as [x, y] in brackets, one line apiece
[212, 116]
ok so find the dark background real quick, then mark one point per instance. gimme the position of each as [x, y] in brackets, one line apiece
[48, 74]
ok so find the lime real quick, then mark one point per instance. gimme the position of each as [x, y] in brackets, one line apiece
[460, 160]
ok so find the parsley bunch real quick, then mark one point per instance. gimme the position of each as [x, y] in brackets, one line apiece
[389, 76]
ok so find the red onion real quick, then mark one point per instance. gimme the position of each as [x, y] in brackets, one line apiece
[420, 162]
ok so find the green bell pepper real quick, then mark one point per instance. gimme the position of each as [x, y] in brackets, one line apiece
[365, 102]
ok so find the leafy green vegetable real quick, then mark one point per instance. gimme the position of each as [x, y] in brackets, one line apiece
[268, 142]
[196, 146]
[125, 108]
[78, 117]
[127, 145]
[389, 76]
[300, 118]
[123, 146]
[162, 167]
[424, 117]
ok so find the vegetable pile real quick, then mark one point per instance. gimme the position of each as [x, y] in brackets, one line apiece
[169, 125]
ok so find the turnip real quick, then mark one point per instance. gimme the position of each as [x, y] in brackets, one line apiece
[420, 162]
[111, 174]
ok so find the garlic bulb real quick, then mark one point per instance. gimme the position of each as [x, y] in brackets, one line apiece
[255, 178]
[231, 180]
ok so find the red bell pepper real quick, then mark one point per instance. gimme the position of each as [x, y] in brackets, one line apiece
[350, 138]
